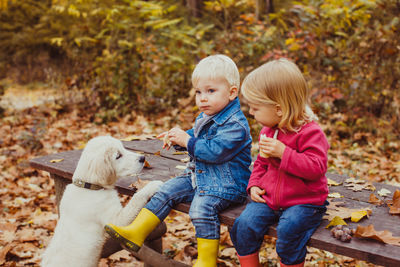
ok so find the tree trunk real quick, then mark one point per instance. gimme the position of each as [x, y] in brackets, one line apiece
[264, 7]
[194, 7]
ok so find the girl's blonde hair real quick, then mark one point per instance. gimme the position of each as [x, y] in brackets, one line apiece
[280, 82]
[217, 66]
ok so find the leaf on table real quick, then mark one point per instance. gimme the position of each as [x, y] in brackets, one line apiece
[382, 236]
[355, 187]
[395, 206]
[180, 153]
[180, 167]
[333, 182]
[374, 200]
[354, 181]
[335, 195]
[336, 209]
[370, 186]
[158, 153]
[185, 160]
[384, 192]
[356, 216]
[56, 160]
[146, 165]
[358, 185]
[336, 221]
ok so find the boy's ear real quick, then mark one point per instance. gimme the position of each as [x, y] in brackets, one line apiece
[279, 111]
[233, 93]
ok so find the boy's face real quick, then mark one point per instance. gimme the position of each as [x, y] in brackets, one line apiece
[212, 95]
[268, 115]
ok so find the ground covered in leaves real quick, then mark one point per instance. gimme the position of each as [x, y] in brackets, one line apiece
[28, 213]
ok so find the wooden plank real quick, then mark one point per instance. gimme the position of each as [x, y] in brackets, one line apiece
[164, 167]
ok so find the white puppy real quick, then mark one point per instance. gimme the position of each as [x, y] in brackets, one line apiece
[91, 201]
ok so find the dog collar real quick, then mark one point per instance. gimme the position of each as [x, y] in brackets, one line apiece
[80, 183]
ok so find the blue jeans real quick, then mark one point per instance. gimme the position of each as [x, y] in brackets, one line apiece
[295, 227]
[203, 209]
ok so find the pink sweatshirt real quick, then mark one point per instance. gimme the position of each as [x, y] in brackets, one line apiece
[299, 177]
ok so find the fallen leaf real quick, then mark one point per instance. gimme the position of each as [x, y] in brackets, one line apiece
[395, 206]
[185, 160]
[370, 186]
[180, 153]
[56, 160]
[333, 183]
[335, 195]
[336, 221]
[374, 200]
[121, 255]
[3, 252]
[336, 209]
[180, 167]
[355, 187]
[383, 192]
[356, 216]
[354, 181]
[382, 236]
[146, 164]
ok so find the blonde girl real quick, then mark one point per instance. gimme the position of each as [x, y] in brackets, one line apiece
[288, 185]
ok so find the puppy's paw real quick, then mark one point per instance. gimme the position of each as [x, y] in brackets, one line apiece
[152, 187]
[155, 184]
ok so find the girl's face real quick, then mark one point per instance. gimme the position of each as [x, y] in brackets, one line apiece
[268, 115]
[213, 95]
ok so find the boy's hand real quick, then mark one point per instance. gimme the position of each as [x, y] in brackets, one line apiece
[166, 142]
[256, 194]
[272, 147]
[178, 136]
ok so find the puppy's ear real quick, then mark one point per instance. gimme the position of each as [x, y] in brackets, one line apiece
[106, 167]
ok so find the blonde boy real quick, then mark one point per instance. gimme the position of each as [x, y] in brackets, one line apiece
[219, 147]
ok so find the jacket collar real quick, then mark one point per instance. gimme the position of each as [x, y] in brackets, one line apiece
[232, 108]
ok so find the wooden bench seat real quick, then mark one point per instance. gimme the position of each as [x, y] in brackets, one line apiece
[163, 167]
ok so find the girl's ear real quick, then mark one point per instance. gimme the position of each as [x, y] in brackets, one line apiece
[233, 93]
[279, 111]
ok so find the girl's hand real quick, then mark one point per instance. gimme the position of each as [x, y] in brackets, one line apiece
[272, 147]
[256, 194]
[178, 136]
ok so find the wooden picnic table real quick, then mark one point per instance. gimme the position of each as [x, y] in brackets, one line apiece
[163, 166]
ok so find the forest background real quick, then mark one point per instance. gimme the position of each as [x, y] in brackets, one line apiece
[123, 67]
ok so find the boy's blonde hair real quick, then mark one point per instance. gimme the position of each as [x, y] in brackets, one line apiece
[280, 82]
[217, 66]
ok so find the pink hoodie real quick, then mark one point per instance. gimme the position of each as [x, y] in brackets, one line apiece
[299, 177]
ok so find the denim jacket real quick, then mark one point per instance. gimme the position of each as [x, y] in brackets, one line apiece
[221, 154]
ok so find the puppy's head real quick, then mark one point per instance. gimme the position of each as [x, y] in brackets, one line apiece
[104, 160]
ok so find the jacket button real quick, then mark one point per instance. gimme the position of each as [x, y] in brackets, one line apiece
[199, 171]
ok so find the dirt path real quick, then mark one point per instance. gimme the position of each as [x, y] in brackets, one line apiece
[21, 97]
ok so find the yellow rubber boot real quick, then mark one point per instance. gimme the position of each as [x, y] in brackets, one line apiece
[207, 250]
[132, 236]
